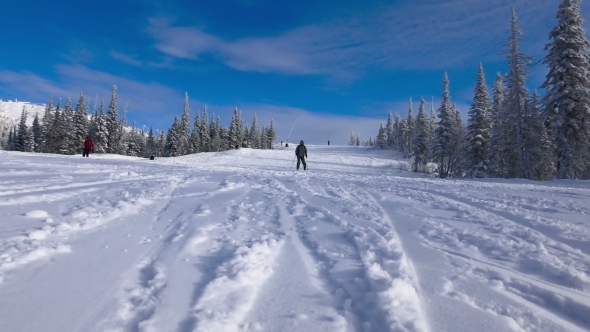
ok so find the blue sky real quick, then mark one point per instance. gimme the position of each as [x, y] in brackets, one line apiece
[335, 65]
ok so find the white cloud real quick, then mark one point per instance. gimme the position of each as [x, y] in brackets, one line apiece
[427, 36]
[125, 58]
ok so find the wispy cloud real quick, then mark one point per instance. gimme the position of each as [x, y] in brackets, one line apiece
[125, 58]
[432, 35]
[147, 100]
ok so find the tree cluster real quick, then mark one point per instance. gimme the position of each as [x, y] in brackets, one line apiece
[514, 133]
[63, 130]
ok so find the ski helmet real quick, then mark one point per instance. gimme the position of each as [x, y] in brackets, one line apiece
[301, 142]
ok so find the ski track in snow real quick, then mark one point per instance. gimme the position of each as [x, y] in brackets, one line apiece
[233, 241]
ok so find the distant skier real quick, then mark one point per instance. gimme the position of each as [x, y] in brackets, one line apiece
[301, 153]
[88, 146]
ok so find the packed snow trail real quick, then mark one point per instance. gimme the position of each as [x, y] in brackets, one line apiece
[239, 241]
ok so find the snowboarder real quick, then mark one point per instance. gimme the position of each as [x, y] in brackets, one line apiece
[301, 153]
[88, 146]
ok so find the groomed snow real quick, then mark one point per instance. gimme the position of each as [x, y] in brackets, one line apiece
[241, 241]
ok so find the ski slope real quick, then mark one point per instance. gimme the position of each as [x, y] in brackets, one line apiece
[240, 241]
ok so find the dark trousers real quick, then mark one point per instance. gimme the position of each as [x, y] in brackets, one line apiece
[86, 152]
[301, 160]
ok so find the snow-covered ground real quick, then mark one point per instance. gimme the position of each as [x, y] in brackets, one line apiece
[240, 241]
[13, 110]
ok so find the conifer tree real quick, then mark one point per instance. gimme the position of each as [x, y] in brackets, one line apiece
[37, 130]
[567, 98]
[205, 134]
[185, 128]
[381, 137]
[358, 140]
[215, 131]
[234, 127]
[66, 129]
[55, 138]
[458, 133]
[150, 145]
[10, 143]
[540, 145]
[352, 140]
[516, 100]
[48, 119]
[398, 133]
[388, 130]
[420, 144]
[443, 148]
[112, 124]
[195, 139]
[21, 133]
[80, 125]
[272, 134]
[255, 133]
[498, 145]
[475, 160]
[172, 148]
[101, 135]
[409, 128]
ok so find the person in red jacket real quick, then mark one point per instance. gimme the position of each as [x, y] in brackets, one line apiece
[88, 146]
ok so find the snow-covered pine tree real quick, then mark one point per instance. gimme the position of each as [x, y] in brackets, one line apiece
[475, 154]
[172, 147]
[498, 143]
[21, 133]
[81, 125]
[160, 143]
[93, 119]
[255, 133]
[234, 129]
[540, 148]
[263, 138]
[567, 97]
[215, 133]
[123, 132]
[185, 128]
[29, 142]
[358, 140]
[66, 129]
[516, 100]
[389, 130]
[150, 144]
[101, 135]
[37, 133]
[272, 133]
[55, 137]
[205, 135]
[433, 125]
[10, 143]
[195, 139]
[48, 119]
[398, 133]
[112, 123]
[420, 144]
[444, 145]
[352, 140]
[458, 138]
[381, 140]
[409, 129]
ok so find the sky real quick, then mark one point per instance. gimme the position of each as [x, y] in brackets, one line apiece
[329, 67]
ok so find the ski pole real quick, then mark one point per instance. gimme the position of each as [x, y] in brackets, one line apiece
[293, 162]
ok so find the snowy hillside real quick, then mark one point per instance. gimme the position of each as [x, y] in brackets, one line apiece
[13, 110]
[240, 241]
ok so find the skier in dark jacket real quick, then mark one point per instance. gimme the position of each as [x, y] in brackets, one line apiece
[301, 153]
[88, 146]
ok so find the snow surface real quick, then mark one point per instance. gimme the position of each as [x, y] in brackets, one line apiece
[240, 241]
[13, 110]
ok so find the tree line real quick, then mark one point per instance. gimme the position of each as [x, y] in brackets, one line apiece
[514, 133]
[63, 129]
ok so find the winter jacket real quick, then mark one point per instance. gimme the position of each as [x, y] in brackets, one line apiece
[88, 144]
[301, 151]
